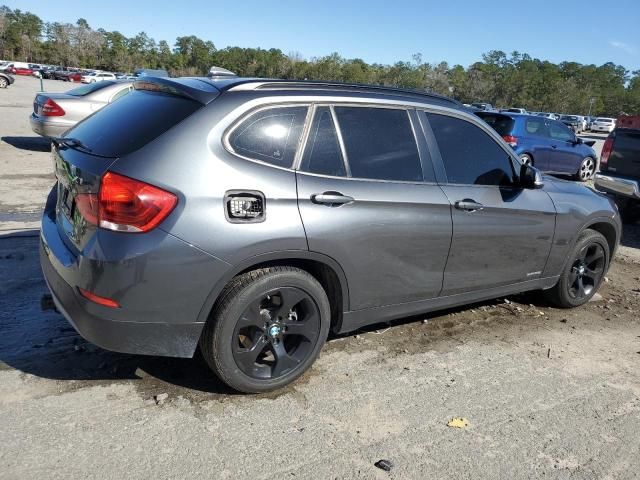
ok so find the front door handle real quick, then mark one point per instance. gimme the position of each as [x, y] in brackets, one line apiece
[331, 198]
[468, 205]
[554, 146]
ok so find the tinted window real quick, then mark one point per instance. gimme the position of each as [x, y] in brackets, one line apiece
[559, 131]
[470, 155]
[137, 118]
[322, 153]
[502, 124]
[379, 143]
[535, 126]
[270, 135]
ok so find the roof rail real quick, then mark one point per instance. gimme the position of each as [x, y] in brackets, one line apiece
[266, 84]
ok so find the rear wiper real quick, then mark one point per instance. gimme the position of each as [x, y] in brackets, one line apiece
[70, 142]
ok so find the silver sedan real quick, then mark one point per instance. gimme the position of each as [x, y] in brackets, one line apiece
[55, 113]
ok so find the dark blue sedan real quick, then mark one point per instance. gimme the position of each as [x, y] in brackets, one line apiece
[547, 144]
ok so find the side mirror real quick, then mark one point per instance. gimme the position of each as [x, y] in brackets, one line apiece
[530, 177]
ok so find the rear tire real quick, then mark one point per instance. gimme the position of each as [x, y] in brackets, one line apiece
[266, 329]
[583, 273]
[3, 82]
[587, 169]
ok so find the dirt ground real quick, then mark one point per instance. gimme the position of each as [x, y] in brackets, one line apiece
[546, 392]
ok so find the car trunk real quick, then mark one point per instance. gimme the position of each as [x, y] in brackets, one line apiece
[85, 153]
[625, 156]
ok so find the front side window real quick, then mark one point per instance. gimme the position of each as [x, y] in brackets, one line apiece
[469, 154]
[322, 153]
[270, 135]
[379, 143]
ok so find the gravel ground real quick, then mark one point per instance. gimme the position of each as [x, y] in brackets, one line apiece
[547, 393]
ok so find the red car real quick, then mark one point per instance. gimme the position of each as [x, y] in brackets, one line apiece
[20, 71]
[74, 77]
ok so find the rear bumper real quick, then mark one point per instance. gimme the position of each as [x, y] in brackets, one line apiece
[48, 128]
[173, 340]
[160, 282]
[620, 186]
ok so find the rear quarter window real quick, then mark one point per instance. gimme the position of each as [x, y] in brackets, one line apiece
[270, 135]
[133, 121]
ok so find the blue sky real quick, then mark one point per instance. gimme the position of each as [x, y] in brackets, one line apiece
[457, 31]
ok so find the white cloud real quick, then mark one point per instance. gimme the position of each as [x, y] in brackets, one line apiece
[623, 46]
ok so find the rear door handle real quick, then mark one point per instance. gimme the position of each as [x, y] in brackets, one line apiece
[554, 146]
[468, 205]
[331, 198]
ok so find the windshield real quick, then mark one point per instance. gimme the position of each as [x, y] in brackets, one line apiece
[570, 118]
[89, 88]
[502, 124]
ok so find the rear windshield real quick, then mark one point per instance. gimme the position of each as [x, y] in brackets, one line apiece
[502, 124]
[133, 121]
[604, 120]
[89, 88]
[569, 117]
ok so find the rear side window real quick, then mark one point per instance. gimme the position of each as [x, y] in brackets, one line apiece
[379, 143]
[503, 124]
[271, 135]
[133, 121]
[535, 126]
[470, 155]
[322, 154]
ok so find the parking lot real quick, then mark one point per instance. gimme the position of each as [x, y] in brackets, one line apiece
[547, 392]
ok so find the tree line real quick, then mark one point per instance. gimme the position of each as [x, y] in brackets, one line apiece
[502, 79]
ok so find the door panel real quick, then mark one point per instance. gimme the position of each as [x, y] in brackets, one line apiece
[506, 241]
[392, 240]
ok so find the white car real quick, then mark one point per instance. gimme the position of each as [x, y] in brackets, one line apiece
[602, 124]
[97, 77]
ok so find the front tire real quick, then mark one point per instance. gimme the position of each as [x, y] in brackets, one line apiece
[3, 82]
[266, 329]
[583, 273]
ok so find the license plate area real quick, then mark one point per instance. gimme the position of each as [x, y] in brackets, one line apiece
[66, 201]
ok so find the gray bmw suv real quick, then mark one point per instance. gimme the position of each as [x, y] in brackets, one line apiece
[250, 217]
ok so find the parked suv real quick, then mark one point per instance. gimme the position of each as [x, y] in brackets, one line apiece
[251, 217]
[548, 144]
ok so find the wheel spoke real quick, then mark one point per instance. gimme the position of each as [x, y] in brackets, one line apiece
[248, 356]
[284, 361]
[594, 256]
[251, 317]
[307, 327]
[581, 290]
[290, 298]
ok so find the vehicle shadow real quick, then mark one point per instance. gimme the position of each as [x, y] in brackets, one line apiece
[631, 235]
[44, 344]
[34, 144]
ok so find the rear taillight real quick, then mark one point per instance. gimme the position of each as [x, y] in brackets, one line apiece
[606, 152]
[128, 205]
[511, 140]
[52, 109]
[125, 205]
